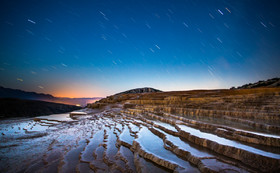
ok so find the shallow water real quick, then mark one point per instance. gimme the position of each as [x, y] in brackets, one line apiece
[184, 145]
[153, 144]
[225, 141]
[166, 125]
[87, 154]
[133, 127]
[261, 134]
[57, 117]
[128, 155]
[89, 144]
[126, 136]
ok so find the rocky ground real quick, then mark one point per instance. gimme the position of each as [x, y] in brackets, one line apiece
[192, 131]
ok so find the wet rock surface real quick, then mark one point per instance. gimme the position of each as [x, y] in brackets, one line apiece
[155, 132]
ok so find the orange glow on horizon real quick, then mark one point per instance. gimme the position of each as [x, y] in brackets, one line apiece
[77, 92]
[75, 95]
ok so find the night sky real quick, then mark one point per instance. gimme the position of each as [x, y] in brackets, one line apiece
[100, 47]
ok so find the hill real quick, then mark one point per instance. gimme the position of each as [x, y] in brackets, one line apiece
[140, 90]
[12, 107]
[123, 96]
[16, 93]
[274, 82]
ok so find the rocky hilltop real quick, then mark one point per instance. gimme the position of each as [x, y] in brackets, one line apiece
[274, 82]
[122, 96]
[140, 90]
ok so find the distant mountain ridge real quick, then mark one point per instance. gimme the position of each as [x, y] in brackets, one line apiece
[139, 90]
[20, 94]
[274, 82]
[16, 93]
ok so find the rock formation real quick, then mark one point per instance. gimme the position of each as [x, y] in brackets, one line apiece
[274, 82]
[140, 90]
[186, 131]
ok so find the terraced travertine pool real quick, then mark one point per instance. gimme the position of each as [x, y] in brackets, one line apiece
[118, 140]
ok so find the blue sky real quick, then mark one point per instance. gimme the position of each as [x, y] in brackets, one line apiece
[98, 48]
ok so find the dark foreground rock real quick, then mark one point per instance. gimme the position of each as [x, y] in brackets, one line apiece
[10, 107]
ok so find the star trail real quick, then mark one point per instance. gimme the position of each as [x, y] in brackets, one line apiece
[101, 47]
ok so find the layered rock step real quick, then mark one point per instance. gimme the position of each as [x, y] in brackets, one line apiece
[222, 130]
[270, 158]
[198, 131]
